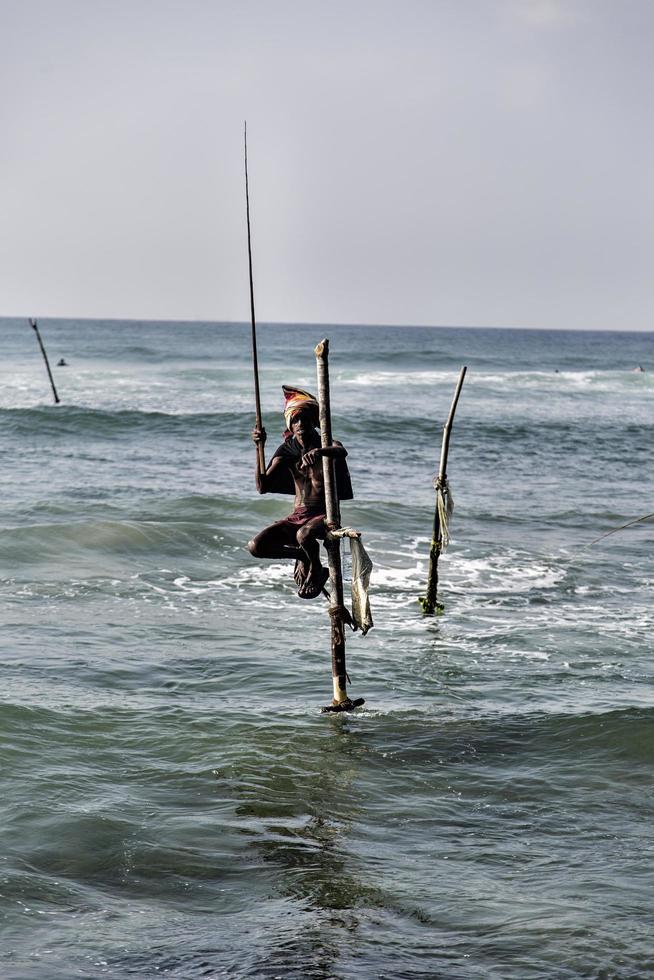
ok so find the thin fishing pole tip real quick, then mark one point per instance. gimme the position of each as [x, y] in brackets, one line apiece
[622, 527]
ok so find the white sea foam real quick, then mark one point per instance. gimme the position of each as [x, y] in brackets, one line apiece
[555, 381]
[382, 378]
[506, 572]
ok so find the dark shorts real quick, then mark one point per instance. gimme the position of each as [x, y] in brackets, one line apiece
[301, 516]
[287, 529]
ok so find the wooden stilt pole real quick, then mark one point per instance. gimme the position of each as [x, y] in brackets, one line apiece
[429, 602]
[341, 701]
[35, 328]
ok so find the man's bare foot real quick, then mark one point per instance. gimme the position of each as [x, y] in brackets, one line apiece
[313, 584]
[300, 573]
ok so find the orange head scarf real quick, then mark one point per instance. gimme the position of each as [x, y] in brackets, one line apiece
[296, 399]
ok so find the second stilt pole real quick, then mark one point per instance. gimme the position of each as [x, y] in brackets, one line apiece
[341, 701]
[439, 537]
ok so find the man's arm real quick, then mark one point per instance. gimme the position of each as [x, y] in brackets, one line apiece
[262, 480]
[337, 451]
[259, 438]
[269, 478]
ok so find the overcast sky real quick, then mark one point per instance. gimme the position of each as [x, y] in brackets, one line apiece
[455, 162]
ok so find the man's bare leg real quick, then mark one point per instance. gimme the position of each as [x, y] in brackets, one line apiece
[276, 541]
[279, 541]
[282, 540]
[316, 574]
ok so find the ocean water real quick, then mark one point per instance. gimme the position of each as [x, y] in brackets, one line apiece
[172, 801]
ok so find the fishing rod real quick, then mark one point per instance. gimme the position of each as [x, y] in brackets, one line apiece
[637, 520]
[35, 328]
[255, 362]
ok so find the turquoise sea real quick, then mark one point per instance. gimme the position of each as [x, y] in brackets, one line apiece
[173, 804]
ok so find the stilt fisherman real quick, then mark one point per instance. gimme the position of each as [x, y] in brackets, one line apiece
[296, 468]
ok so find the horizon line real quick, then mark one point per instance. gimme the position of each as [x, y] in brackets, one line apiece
[323, 323]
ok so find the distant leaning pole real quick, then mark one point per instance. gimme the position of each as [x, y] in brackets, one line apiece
[341, 701]
[34, 326]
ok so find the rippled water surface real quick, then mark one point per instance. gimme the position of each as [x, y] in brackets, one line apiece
[174, 804]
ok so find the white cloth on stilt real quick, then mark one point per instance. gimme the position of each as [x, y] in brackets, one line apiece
[361, 570]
